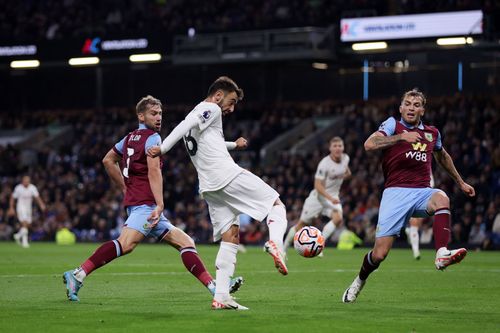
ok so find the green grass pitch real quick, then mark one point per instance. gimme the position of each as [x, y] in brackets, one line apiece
[150, 291]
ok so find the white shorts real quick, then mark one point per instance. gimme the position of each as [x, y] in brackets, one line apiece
[24, 215]
[316, 205]
[246, 194]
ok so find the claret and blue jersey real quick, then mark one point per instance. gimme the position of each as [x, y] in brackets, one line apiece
[139, 199]
[409, 164]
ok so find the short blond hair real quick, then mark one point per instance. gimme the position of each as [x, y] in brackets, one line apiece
[415, 92]
[336, 139]
[146, 102]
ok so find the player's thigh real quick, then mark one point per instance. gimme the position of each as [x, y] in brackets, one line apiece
[249, 194]
[24, 215]
[222, 216]
[424, 202]
[138, 220]
[332, 211]
[311, 209]
[396, 208]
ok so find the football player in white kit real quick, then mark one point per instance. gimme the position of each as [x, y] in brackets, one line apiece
[228, 189]
[24, 194]
[324, 198]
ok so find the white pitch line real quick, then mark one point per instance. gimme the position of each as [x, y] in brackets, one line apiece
[492, 270]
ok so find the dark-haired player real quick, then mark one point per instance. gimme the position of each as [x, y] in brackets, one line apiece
[228, 189]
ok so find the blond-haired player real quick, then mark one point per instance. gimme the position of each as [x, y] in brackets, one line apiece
[324, 198]
[24, 193]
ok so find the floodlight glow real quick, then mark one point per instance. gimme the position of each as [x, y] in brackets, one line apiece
[24, 64]
[83, 61]
[369, 46]
[145, 57]
[454, 41]
[319, 65]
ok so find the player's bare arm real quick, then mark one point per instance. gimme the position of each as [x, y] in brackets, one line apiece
[347, 173]
[40, 203]
[112, 167]
[379, 141]
[319, 185]
[444, 159]
[156, 184]
[11, 211]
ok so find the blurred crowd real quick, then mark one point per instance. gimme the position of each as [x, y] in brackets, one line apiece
[54, 19]
[73, 183]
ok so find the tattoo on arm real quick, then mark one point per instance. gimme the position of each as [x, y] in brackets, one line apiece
[444, 159]
[381, 142]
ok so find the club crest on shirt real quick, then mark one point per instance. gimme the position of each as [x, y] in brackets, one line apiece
[429, 137]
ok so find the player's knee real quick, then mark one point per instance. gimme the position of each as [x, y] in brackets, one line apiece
[441, 200]
[127, 248]
[186, 242]
[379, 255]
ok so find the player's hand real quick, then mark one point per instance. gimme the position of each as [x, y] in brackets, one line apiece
[11, 212]
[154, 217]
[334, 201]
[241, 143]
[43, 208]
[411, 137]
[154, 151]
[467, 189]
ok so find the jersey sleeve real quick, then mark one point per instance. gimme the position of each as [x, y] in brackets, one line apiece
[388, 127]
[206, 115]
[34, 191]
[15, 194]
[152, 141]
[321, 171]
[439, 144]
[118, 148]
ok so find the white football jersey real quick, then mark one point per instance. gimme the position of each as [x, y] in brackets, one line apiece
[207, 148]
[24, 196]
[332, 173]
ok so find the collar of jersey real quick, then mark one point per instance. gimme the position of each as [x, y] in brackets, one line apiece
[405, 124]
[142, 126]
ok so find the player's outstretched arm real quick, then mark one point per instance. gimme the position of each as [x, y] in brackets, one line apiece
[240, 143]
[110, 162]
[444, 159]
[379, 141]
[177, 133]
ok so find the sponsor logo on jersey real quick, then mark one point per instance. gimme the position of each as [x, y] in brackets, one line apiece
[419, 146]
[429, 137]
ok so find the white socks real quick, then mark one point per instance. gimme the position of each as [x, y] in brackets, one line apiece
[79, 274]
[277, 223]
[23, 236]
[289, 238]
[328, 230]
[225, 264]
[414, 240]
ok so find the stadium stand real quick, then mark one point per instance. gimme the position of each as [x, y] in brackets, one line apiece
[79, 194]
